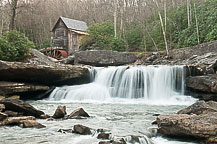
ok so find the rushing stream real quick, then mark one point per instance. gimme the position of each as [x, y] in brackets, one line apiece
[122, 100]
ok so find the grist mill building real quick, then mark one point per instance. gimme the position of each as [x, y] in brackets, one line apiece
[67, 34]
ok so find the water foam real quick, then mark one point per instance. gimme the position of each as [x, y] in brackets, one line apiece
[129, 84]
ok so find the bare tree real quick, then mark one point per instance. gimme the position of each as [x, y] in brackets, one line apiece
[162, 26]
[189, 12]
[115, 16]
[197, 27]
[13, 5]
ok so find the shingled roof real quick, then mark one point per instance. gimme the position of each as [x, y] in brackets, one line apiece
[73, 24]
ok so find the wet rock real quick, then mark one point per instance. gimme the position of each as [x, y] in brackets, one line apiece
[12, 113]
[15, 120]
[31, 124]
[212, 140]
[138, 139]
[122, 141]
[201, 126]
[155, 114]
[3, 116]
[60, 112]
[207, 83]
[154, 122]
[21, 106]
[2, 107]
[198, 121]
[103, 135]
[65, 130]
[202, 96]
[13, 88]
[200, 107]
[44, 116]
[78, 113]
[80, 129]
[104, 58]
[41, 74]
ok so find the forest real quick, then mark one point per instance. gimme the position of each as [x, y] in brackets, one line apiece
[122, 25]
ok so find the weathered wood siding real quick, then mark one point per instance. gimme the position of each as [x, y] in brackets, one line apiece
[60, 38]
[73, 42]
[66, 38]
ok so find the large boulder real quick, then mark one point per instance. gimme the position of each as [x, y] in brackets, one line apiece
[198, 126]
[80, 129]
[60, 112]
[207, 83]
[104, 58]
[78, 113]
[203, 87]
[198, 121]
[41, 74]
[21, 106]
[200, 107]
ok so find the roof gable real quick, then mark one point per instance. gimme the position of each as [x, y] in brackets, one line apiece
[73, 24]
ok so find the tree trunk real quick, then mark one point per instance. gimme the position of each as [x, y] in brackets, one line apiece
[13, 14]
[2, 22]
[165, 16]
[163, 27]
[151, 39]
[195, 13]
[189, 13]
[115, 17]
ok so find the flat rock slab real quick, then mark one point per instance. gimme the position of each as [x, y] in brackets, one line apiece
[104, 58]
[21, 106]
[200, 107]
[198, 126]
[11, 88]
[15, 120]
[41, 74]
[198, 121]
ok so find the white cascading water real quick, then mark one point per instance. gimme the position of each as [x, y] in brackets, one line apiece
[146, 84]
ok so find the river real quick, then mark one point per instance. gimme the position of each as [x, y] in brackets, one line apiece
[122, 100]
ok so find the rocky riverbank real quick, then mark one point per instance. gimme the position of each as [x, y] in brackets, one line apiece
[201, 67]
[198, 122]
[37, 77]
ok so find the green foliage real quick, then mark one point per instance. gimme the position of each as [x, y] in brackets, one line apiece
[117, 44]
[139, 37]
[206, 14]
[134, 37]
[14, 46]
[101, 35]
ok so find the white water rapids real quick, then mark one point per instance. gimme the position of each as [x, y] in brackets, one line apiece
[129, 84]
[119, 99]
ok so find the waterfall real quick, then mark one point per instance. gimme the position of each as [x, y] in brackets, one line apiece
[142, 83]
